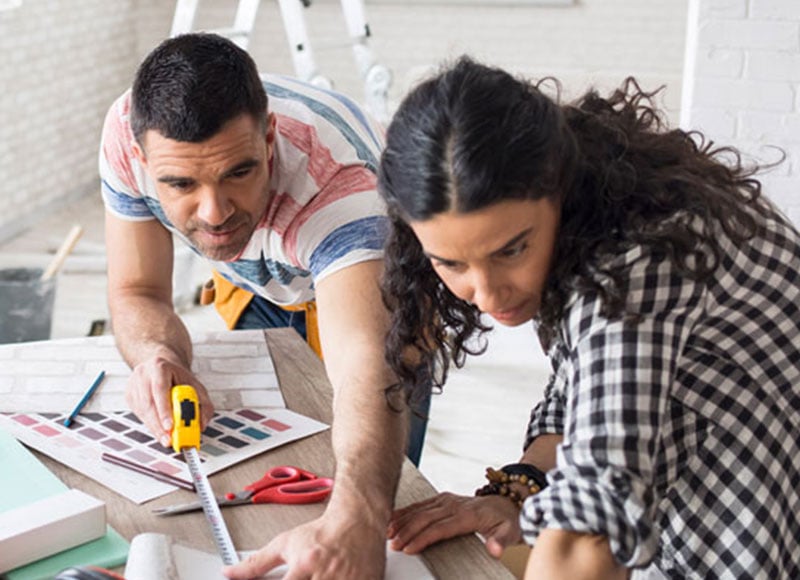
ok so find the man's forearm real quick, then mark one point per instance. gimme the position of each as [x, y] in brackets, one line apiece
[368, 441]
[146, 327]
[368, 436]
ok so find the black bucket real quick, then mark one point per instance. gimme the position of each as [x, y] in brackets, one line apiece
[26, 305]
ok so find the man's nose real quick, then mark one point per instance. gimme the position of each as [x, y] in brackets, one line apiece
[214, 208]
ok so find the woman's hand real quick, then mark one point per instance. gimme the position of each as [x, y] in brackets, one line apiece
[415, 527]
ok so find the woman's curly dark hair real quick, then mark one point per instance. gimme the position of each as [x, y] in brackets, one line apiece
[474, 135]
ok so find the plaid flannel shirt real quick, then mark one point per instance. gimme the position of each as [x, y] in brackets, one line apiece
[681, 429]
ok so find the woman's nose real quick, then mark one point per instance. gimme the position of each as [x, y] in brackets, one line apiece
[487, 291]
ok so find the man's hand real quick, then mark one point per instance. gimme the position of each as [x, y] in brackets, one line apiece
[148, 394]
[151, 337]
[496, 518]
[329, 547]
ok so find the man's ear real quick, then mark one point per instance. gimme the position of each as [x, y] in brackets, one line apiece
[270, 136]
[139, 152]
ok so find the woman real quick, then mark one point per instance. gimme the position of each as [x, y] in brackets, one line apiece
[664, 288]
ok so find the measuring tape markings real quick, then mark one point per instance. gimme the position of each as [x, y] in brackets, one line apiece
[222, 537]
[186, 439]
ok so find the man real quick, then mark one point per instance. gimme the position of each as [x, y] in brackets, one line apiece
[282, 202]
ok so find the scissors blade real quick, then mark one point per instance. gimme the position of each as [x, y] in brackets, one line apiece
[195, 506]
[182, 508]
[228, 499]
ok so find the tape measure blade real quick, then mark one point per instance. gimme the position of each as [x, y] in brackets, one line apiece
[219, 531]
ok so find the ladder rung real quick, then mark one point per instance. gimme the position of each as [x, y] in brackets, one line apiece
[231, 32]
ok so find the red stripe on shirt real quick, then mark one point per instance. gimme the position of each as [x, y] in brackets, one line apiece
[348, 181]
[321, 164]
[118, 140]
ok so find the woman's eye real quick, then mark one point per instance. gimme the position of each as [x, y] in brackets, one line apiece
[514, 251]
[453, 266]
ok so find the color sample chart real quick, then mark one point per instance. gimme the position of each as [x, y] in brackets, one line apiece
[231, 436]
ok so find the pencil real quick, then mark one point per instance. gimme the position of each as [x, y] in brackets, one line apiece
[85, 399]
[144, 470]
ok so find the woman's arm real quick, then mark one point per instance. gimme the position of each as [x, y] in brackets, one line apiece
[572, 556]
[541, 452]
[415, 527]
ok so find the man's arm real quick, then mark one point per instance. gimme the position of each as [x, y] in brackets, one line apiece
[368, 436]
[148, 332]
[368, 441]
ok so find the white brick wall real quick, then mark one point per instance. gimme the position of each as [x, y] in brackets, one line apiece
[591, 41]
[69, 59]
[745, 85]
[61, 64]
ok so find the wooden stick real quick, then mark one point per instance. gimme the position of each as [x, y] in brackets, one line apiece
[62, 253]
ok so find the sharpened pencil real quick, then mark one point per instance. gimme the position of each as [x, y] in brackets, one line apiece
[85, 399]
[144, 470]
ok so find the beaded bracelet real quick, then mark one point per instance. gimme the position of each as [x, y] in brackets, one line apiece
[501, 480]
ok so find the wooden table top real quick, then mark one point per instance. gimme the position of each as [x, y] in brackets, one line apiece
[306, 389]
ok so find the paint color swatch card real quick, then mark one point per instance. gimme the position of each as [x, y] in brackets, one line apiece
[234, 366]
[231, 436]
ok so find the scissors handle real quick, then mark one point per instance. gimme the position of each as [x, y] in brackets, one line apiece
[280, 475]
[308, 491]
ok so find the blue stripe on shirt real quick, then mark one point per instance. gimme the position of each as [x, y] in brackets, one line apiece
[363, 151]
[357, 111]
[367, 233]
[261, 271]
[125, 204]
[134, 207]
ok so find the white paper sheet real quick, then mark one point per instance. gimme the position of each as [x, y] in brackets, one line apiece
[52, 375]
[159, 557]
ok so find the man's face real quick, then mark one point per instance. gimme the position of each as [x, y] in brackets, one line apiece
[214, 192]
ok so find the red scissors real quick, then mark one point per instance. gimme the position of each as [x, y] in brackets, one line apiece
[284, 484]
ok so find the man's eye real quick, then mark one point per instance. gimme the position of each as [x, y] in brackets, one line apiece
[239, 173]
[180, 185]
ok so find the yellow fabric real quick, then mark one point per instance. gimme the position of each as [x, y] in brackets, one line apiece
[312, 327]
[230, 301]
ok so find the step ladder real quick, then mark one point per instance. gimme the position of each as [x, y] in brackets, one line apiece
[376, 77]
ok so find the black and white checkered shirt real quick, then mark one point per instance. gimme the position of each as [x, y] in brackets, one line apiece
[682, 430]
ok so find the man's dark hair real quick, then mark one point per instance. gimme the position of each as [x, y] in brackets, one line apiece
[189, 86]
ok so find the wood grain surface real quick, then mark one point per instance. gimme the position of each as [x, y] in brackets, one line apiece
[307, 391]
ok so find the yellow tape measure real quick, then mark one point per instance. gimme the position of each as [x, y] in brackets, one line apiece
[185, 418]
[186, 440]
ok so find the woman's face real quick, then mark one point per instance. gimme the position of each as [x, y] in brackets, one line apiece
[497, 258]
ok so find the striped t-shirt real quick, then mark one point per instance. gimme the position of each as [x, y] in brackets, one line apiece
[324, 212]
